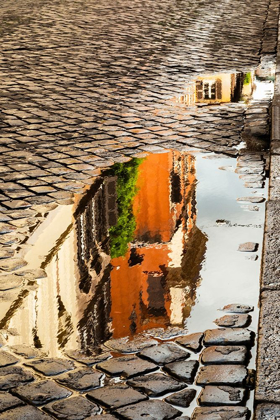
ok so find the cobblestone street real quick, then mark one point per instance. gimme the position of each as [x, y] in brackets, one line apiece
[86, 85]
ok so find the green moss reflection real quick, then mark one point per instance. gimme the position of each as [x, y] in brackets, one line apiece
[122, 233]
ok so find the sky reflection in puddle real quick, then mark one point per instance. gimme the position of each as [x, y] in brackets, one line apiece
[143, 251]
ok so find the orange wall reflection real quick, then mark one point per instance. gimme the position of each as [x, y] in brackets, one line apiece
[140, 295]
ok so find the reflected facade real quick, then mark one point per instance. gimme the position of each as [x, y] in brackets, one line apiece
[130, 261]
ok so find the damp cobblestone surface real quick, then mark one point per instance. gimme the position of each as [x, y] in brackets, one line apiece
[88, 84]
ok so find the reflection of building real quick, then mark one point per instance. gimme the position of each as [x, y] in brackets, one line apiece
[215, 88]
[154, 284]
[87, 295]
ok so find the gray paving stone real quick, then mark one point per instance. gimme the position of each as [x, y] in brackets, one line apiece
[115, 396]
[184, 370]
[191, 341]
[221, 395]
[182, 398]
[8, 401]
[225, 355]
[81, 380]
[51, 366]
[234, 321]
[267, 411]
[222, 375]
[150, 410]
[164, 353]
[124, 345]
[220, 413]
[12, 264]
[238, 308]
[268, 373]
[12, 376]
[39, 393]
[10, 281]
[252, 199]
[105, 417]
[24, 413]
[228, 336]
[248, 246]
[7, 359]
[126, 366]
[90, 358]
[76, 408]
[156, 384]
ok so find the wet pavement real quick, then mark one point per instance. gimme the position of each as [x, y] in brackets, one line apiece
[134, 163]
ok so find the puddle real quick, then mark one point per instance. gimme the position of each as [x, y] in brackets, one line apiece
[153, 244]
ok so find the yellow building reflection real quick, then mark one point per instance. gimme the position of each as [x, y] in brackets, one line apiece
[88, 296]
[213, 88]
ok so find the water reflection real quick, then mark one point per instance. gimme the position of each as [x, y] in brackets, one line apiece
[217, 88]
[130, 260]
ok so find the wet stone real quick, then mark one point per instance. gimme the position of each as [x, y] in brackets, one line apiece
[156, 384]
[184, 370]
[222, 375]
[76, 408]
[24, 413]
[237, 308]
[224, 355]
[115, 396]
[7, 359]
[150, 410]
[12, 264]
[81, 379]
[248, 247]
[225, 336]
[124, 345]
[39, 393]
[126, 366]
[164, 353]
[182, 398]
[90, 358]
[6, 253]
[252, 199]
[221, 395]
[8, 401]
[12, 376]
[191, 341]
[267, 411]
[234, 321]
[51, 366]
[25, 351]
[220, 413]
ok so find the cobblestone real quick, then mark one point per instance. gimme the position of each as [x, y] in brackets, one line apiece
[115, 396]
[224, 355]
[191, 341]
[164, 353]
[126, 366]
[156, 384]
[152, 409]
[226, 336]
[184, 370]
[221, 395]
[42, 392]
[81, 380]
[76, 408]
[222, 375]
